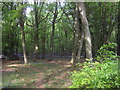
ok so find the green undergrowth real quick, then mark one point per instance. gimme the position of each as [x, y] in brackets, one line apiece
[101, 74]
[98, 75]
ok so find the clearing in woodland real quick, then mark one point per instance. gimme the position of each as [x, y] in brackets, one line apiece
[41, 74]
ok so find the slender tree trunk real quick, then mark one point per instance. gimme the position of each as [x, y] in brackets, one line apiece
[21, 20]
[24, 47]
[118, 34]
[12, 43]
[95, 44]
[74, 53]
[62, 52]
[80, 46]
[52, 40]
[66, 44]
[85, 27]
[36, 33]
[52, 35]
[104, 25]
[60, 43]
[43, 43]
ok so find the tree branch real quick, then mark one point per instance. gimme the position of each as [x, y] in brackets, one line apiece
[29, 24]
[6, 5]
[59, 18]
[66, 15]
[43, 18]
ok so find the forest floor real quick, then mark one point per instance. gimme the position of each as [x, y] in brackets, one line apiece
[40, 74]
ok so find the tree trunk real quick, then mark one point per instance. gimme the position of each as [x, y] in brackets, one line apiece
[52, 41]
[85, 27]
[43, 44]
[118, 34]
[74, 53]
[104, 26]
[36, 33]
[80, 46]
[52, 35]
[66, 43]
[11, 45]
[21, 20]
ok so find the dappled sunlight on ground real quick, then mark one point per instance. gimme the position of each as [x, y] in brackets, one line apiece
[12, 67]
[41, 74]
[9, 69]
[15, 65]
[68, 65]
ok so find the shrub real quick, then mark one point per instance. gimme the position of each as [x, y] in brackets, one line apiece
[102, 74]
[107, 52]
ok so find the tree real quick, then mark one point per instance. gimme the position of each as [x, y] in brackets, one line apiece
[118, 33]
[81, 19]
[36, 33]
[21, 21]
[85, 27]
[10, 38]
[55, 13]
[102, 24]
[52, 30]
[43, 39]
[76, 37]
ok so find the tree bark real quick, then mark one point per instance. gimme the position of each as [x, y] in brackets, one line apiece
[85, 27]
[21, 20]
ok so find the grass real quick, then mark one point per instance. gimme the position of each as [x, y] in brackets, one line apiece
[35, 75]
[21, 77]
